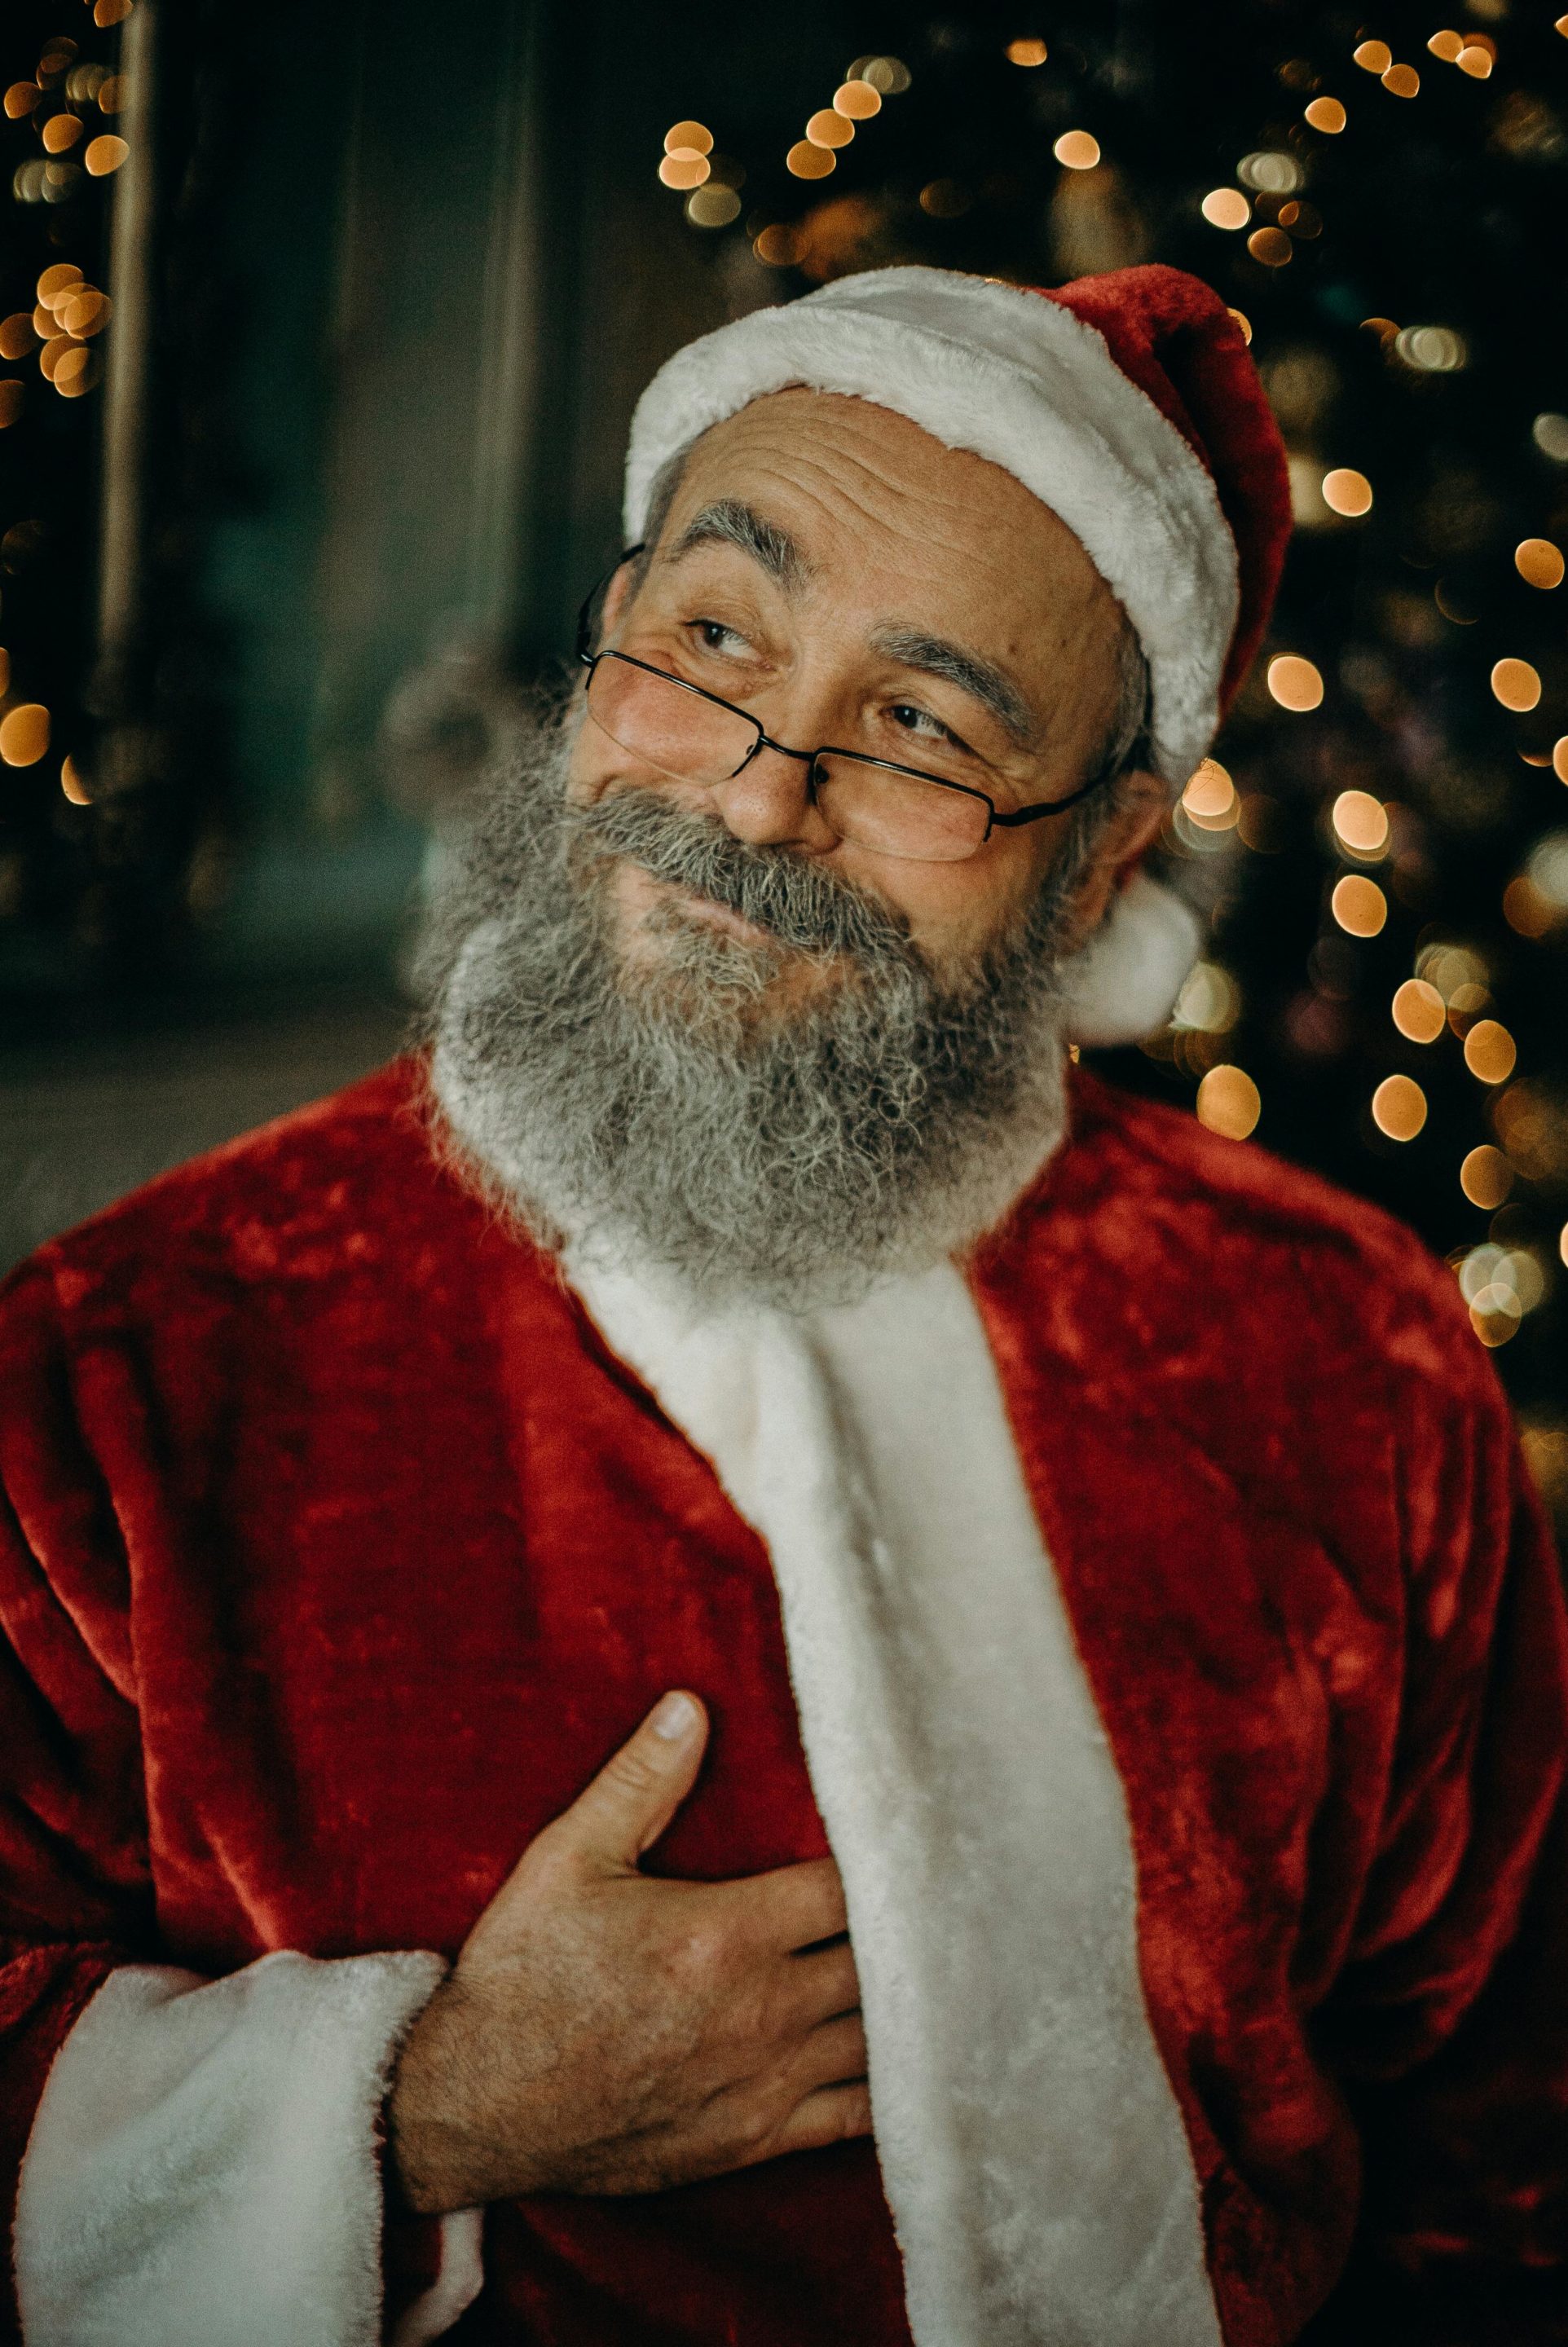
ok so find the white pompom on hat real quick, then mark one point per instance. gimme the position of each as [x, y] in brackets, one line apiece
[1126, 402]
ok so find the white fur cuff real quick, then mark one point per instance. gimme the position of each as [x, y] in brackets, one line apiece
[202, 2169]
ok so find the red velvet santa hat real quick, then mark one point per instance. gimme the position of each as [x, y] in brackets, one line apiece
[1130, 406]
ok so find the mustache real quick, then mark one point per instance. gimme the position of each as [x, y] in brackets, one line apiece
[777, 889]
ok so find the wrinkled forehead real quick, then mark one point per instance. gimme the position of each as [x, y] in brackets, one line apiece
[803, 480]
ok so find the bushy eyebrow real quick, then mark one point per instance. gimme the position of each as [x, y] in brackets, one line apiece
[980, 678]
[732, 522]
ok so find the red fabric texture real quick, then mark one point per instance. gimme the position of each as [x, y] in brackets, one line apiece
[337, 1554]
[1180, 343]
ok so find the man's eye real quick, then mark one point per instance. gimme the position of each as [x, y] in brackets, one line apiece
[912, 719]
[713, 636]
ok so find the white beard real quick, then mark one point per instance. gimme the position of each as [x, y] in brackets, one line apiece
[661, 1115]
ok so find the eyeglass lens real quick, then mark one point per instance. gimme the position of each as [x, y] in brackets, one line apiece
[698, 741]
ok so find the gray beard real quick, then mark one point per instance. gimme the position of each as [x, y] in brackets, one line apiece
[664, 1115]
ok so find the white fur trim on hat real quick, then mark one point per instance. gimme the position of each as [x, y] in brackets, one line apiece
[1020, 381]
[1124, 982]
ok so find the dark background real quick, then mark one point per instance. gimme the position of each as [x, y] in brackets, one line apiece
[386, 283]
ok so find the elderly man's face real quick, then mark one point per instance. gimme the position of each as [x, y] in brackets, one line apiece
[895, 594]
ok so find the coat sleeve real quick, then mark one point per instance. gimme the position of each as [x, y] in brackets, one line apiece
[1448, 2025]
[184, 2158]
[74, 1894]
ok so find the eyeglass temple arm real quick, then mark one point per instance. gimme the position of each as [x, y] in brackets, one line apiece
[585, 617]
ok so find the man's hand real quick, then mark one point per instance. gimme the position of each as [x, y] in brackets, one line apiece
[606, 2031]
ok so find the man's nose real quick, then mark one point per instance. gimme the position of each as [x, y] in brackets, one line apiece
[769, 805]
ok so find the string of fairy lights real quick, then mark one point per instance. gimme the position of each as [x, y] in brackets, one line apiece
[67, 103]
[1444, 1003]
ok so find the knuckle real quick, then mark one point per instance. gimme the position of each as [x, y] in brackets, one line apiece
[631, 1771]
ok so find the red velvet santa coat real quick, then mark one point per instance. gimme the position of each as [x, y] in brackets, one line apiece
[336, 1552]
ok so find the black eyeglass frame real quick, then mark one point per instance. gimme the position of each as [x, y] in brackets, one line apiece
[996, 819]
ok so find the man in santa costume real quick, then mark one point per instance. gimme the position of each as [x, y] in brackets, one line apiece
[733, 1659]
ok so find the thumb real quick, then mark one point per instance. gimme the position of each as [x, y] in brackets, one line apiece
[638, 1790]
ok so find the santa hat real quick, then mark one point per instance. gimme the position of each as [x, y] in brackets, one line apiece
[1130, 406]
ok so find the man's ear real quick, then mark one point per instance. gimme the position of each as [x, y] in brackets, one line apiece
[618, 598]
[1143, 801]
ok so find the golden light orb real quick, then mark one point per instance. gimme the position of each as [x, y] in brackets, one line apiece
[1490, 1051]
[1399, 1108]
[1373, 57]
[1077, 151]
[1361, 822]
[1358, 905]
[1229, 1102]
[61, 131]
[21, 99]
[1516, 684]
[1210, 797]
[1474, 60]
[10, 400]
[25, 734]
[1327, 113]
[1271, 246]
[827, 129]
[857, 101]
[807, 162]
[56, 283]
[1244, 324]
[72, 785]
[1559, 757]
[17, 334]
[106, 153]
[1294, 682]
[1538, 562]
[695, 135]
[1027, 52]
[1401, 81]
[685, 168]
[1447, 46]
[1486, 1177]
[1417, 1012]
[1225, 207]
[1347, 492]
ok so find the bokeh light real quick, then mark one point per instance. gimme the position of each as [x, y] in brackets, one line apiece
[1225, 207]
[857, 100]
[1538, 562]
[1347, 492]
[25, 734]
[1228, 1102]
[1295, 682]
[1360, 822]
[688, 134]
[1445, 46]
[1490, 1051]
[809, 161]
[1358, 905]
[1030, 52]
[1271, 246]
[1418, 1011]
[1516, 684]
[1373, 57]
[829, 128]
[1077, 151]
[1486, 1177]
[1401, 81]
[1327, 113]
[1399, 1108]
[106, 153]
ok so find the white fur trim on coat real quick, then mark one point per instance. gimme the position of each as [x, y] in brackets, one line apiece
[1033, 2154]
[202, 2169]
[1019, 379]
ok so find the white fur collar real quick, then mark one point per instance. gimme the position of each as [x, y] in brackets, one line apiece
[1033, 2154]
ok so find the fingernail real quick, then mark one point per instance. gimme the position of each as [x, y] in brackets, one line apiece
[672, 1717]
